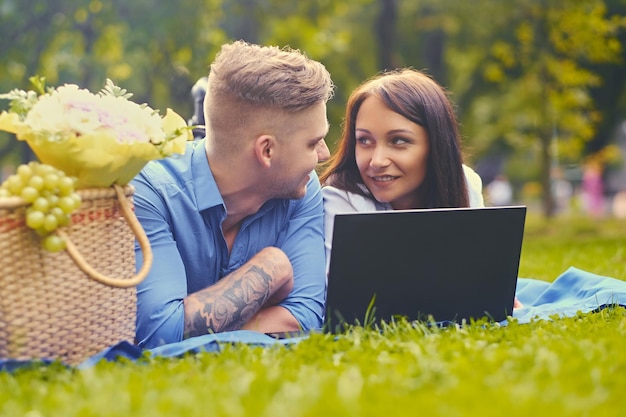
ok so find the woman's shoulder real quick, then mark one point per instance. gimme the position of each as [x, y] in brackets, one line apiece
[472, 176]
[475, 187]
[338, 200]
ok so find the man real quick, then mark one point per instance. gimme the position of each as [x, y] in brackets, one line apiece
[236, 224]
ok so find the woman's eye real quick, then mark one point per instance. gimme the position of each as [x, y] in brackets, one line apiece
[363, 140]
[399, 141]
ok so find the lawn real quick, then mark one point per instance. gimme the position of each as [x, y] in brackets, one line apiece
[573, 366]
[551, 246]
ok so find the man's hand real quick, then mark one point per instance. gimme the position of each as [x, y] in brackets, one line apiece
[273, 319]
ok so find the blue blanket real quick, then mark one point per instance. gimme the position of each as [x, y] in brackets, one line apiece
[573, 291]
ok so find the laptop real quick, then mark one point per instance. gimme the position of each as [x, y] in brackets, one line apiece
[442, 265]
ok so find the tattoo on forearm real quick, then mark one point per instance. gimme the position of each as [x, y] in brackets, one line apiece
[228, 307]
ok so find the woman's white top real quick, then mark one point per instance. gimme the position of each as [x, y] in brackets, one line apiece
[340, 201]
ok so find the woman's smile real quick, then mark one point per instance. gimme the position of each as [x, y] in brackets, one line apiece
[384, 178]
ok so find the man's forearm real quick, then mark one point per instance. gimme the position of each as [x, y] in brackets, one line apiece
[238, 297]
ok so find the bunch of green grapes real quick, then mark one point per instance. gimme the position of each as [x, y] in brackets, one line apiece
[51, 196]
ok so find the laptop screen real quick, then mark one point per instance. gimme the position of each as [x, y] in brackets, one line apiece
[441, 264]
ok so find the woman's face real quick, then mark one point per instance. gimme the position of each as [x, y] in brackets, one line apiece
[391, 154]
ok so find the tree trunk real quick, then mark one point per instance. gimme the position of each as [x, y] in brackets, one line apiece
[546, 176]
[385, 29]
[545, 126]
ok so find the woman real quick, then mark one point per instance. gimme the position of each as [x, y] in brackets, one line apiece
[400, 149]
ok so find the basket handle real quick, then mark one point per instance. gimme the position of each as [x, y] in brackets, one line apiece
[142, 239]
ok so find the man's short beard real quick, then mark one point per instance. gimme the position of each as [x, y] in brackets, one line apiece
[292, 192]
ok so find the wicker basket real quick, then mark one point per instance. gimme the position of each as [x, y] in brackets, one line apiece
[72, 304]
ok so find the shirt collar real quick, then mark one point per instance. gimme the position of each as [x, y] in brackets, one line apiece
[204, 186]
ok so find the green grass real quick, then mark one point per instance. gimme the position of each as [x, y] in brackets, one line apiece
[562, 367]
[553, 245]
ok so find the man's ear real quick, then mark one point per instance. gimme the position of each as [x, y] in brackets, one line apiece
[264, 148]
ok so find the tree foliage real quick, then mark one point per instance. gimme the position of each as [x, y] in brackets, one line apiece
[536, 77]
[538, 80]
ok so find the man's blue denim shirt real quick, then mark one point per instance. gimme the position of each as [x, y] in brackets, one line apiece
[180, 208]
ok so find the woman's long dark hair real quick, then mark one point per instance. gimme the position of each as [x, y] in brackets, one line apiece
[420, 99]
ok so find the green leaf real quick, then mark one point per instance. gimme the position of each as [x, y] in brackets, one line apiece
[110, 89]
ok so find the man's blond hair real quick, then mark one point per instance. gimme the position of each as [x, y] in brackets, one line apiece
[253, 88]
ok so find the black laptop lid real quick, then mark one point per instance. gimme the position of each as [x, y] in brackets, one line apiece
[452, 264]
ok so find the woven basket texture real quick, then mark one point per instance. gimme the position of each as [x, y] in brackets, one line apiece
[49, 308]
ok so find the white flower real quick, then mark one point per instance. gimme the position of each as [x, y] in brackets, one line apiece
[99, 138]
[70, 110]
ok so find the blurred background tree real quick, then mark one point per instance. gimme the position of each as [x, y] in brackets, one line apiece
[539, 84]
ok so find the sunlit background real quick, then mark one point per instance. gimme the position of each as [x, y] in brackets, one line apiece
[540, 85]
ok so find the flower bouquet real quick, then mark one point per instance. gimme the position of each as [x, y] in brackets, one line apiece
[101, 139]
[75, 294]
